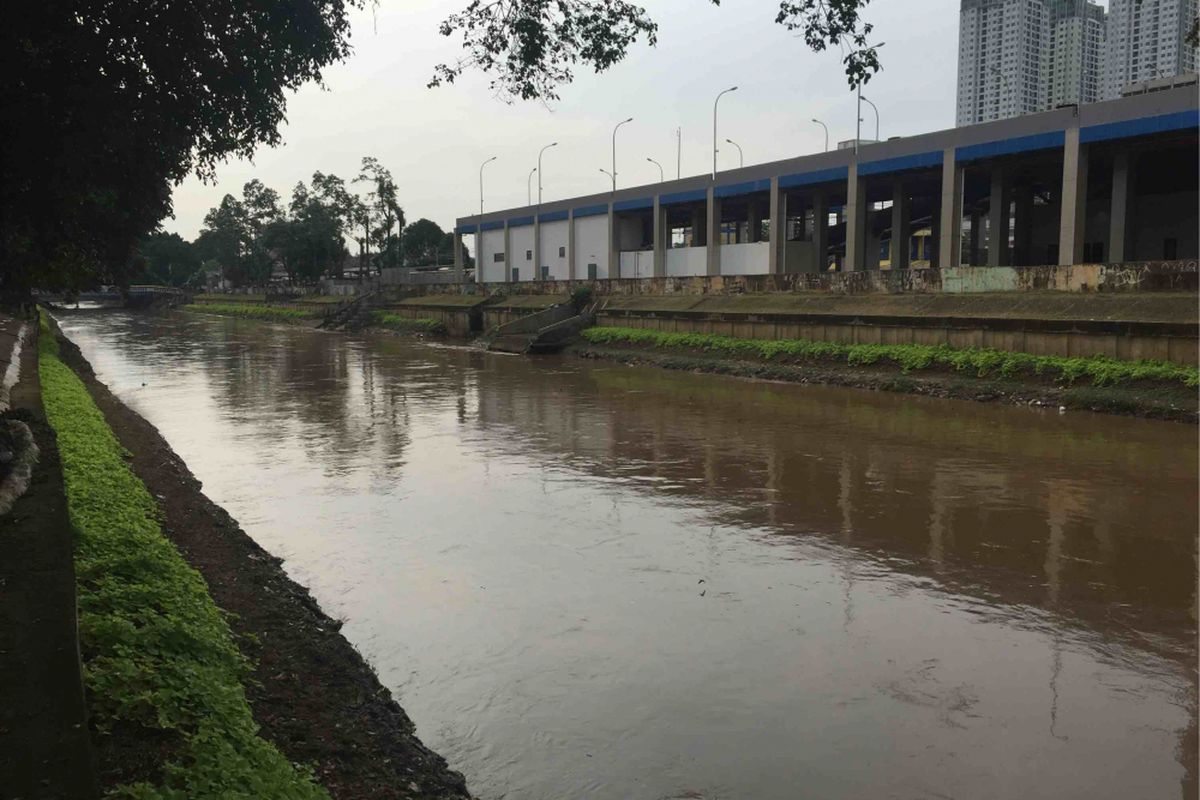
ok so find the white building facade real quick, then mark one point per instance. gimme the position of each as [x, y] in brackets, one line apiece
[1001, 44]
[1146, 41]
[1074, 58]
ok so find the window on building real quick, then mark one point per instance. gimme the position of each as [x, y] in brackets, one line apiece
[529, 255]
[516, 274]
[592, 271]
[562, 251]
[545, 273]
[498, 258]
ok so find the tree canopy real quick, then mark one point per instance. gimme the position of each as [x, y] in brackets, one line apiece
[530, 47]
[106, 105]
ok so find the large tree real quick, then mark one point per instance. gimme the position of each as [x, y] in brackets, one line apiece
[530, 47]
[382, 209]
[104, 105]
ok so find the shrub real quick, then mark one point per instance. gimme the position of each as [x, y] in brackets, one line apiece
[1100, 370]
[396, 322]
[252, 311]
[158, 654]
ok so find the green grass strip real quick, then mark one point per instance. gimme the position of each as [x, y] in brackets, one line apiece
[1101, 370]
[158, 653]
[251, 311]
[397, 322]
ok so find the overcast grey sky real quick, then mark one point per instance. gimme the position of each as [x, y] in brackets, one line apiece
[433, 140]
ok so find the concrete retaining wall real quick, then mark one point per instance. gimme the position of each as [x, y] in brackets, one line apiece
[1068, 339]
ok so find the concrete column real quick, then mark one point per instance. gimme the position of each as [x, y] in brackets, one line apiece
[571, 245]
[1074, 199]
[856, 221]
[950, 214]
[614, 244]
[537, 249]
[458, 257]
[777, 257]
[1118, 226]
[998, 219]
[973, 241]
[820, 234]
[713, 224]
[660, 239]
[508, 265]
[1022, 254]
[900, 226]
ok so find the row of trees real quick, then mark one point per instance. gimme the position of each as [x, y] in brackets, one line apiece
[246, 241]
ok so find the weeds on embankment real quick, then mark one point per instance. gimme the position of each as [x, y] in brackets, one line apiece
[1100, 370]
[252, 311]
[159, 657]
[396, 322]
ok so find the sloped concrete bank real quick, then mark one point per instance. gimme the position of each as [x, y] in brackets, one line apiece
[313, 695]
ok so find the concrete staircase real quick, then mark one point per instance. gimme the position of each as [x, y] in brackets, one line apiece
[542, 332]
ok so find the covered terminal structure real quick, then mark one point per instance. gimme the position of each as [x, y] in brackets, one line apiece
[1108, 182]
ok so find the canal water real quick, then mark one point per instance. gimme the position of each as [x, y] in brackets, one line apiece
[590, 580]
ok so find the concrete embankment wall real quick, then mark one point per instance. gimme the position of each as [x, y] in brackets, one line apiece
[1152, 326]
[1129, 310]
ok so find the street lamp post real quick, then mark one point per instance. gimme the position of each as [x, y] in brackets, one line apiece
[876, 109]
[660, 169]
[529, 187]
[717, 100]
[481, 166]
[539, 168]
[614, 152]
[741, 161]
[826, 127]
[606, 172]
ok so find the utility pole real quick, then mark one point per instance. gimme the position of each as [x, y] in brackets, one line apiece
[678, 153]
[529, 187]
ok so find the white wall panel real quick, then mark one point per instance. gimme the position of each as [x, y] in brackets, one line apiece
[554, 239]
[684, 261]
[493, 271]
[591, 246]
[520, 244]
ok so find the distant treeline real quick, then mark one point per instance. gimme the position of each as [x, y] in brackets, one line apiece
[250, 241]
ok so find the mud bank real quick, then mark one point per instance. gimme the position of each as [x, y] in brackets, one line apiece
[311, 692]
[1156, 401]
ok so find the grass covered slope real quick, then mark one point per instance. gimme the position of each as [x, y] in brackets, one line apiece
[254, 311]
[160, 663]
[1099, 370]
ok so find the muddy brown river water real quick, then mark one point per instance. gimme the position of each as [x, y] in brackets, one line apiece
[590, 580]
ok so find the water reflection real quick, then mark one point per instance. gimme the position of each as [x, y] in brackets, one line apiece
[593, 580]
